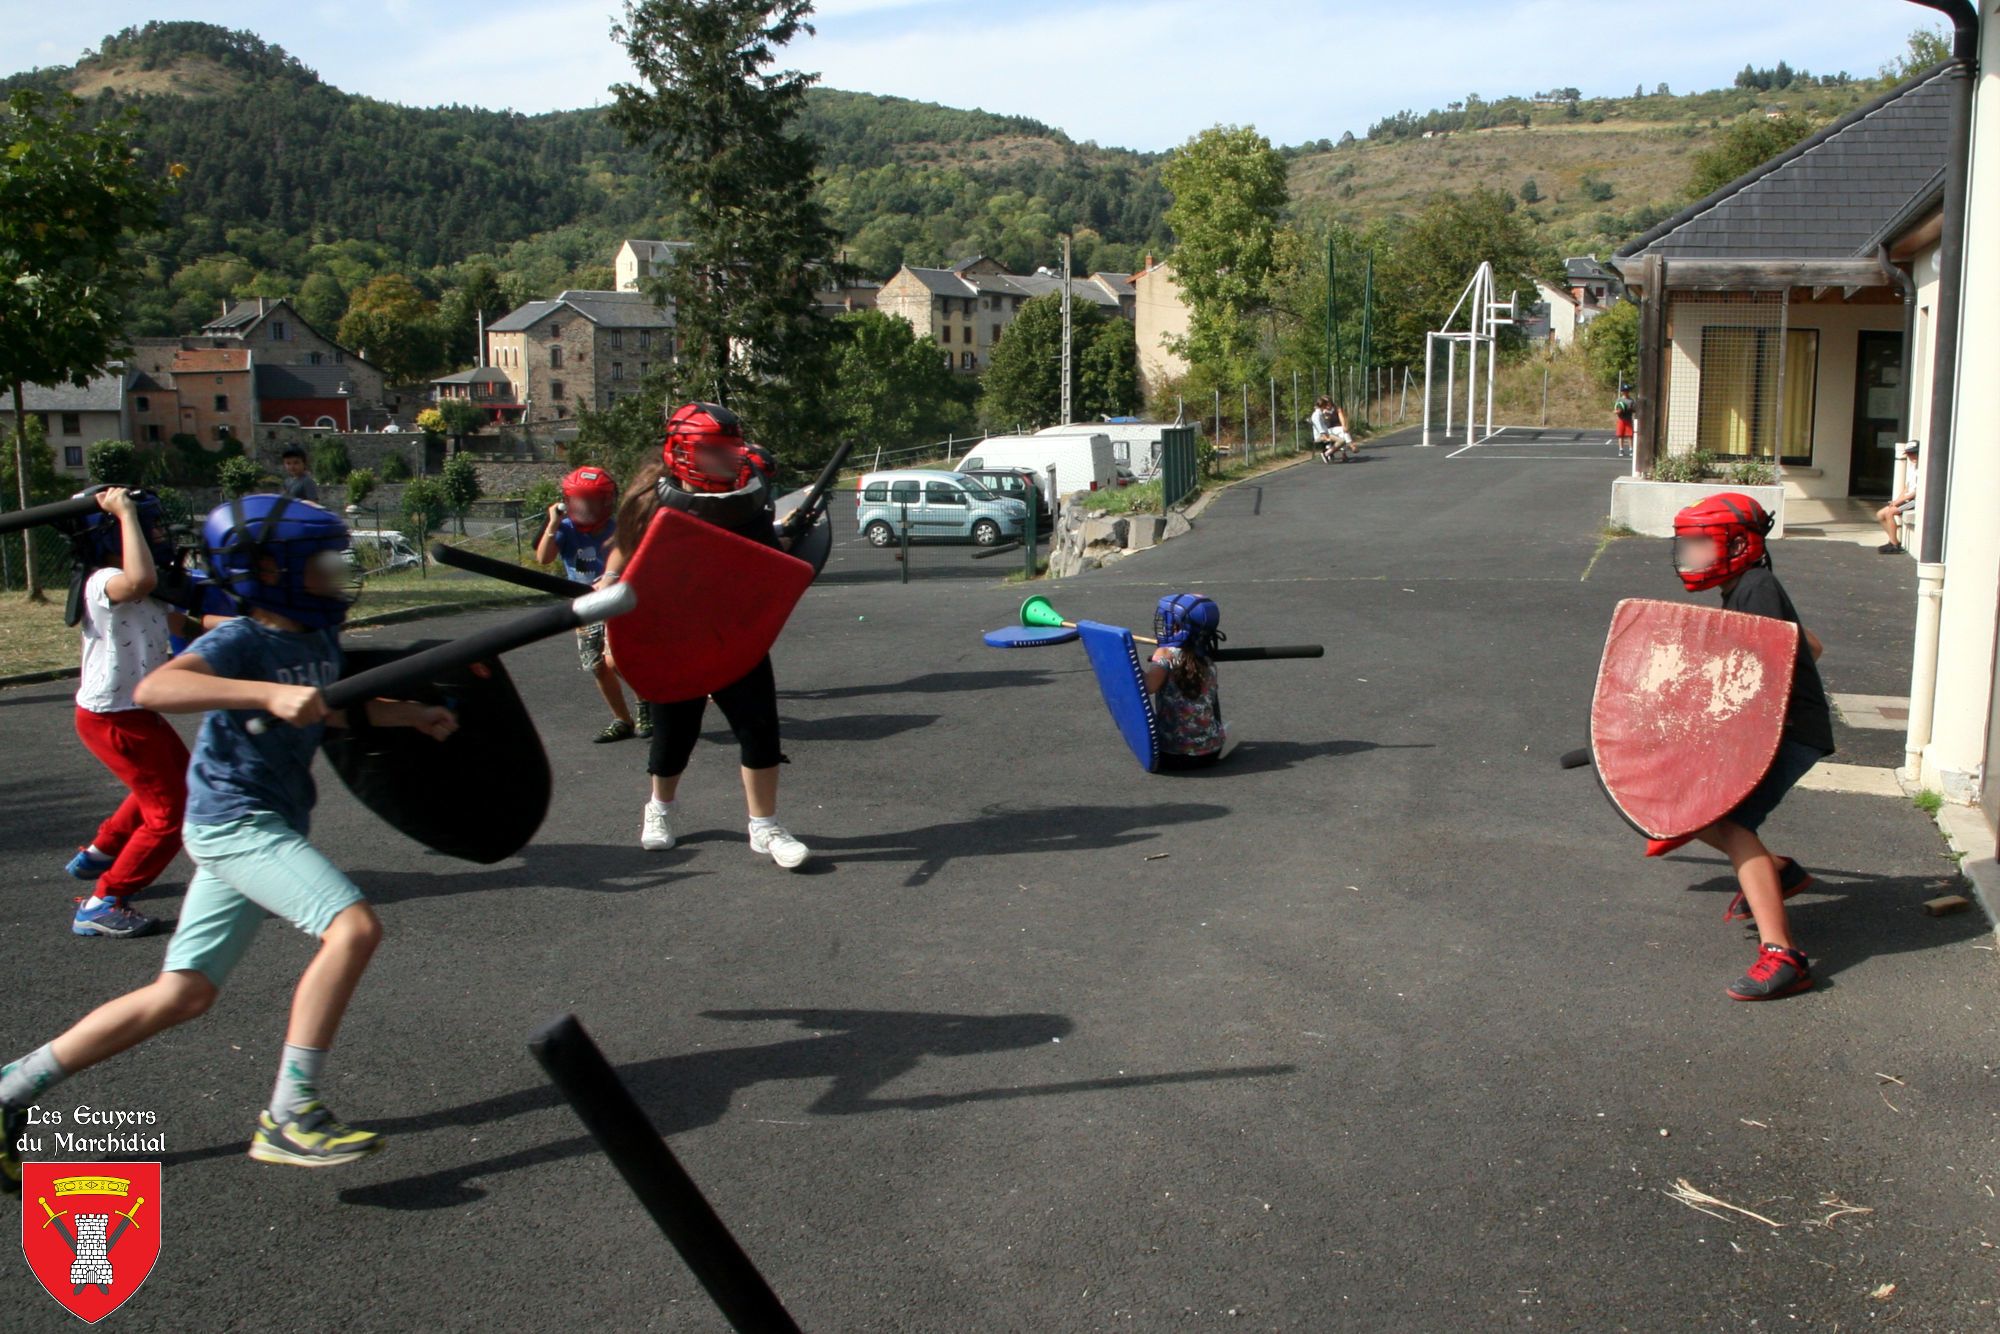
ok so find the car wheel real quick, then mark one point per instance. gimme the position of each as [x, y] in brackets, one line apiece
[986, 532]
[880, 534]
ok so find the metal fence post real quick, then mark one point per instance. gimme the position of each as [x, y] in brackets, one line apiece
[905, 561]
[1028, 529]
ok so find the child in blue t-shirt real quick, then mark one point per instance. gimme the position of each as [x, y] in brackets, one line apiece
[579, 533]
[249, 807]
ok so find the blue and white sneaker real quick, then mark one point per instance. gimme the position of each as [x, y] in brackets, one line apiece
[87, 865]
[111, 918]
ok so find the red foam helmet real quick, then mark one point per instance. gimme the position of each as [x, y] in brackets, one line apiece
[1736, 525]
[705, 450]
[595, 486]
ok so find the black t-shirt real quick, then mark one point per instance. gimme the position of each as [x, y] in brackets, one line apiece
[1808, 717]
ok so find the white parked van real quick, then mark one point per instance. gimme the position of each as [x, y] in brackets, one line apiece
[1134, 445]
[1081, 459]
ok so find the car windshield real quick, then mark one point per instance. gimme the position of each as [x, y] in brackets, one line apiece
[976, 491]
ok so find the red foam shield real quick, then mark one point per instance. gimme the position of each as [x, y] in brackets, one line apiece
[1689, 706]
[711, 604]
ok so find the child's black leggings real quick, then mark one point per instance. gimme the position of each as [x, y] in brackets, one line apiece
[749, 703]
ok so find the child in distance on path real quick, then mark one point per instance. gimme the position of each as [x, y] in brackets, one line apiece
[249, 808]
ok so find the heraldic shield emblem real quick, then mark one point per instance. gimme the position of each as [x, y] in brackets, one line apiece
[90, 1231]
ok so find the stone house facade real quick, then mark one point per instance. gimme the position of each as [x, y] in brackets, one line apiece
[966, 308]
[580, 350]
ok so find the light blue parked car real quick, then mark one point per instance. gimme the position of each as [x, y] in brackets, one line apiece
[942, 507]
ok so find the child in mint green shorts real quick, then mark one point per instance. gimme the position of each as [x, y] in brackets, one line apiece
[250, 800]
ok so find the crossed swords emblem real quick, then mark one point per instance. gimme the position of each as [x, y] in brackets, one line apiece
[125, 1220]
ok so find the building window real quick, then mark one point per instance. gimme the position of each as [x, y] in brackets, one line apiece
[152, 433]
[645, 341]
[617, 340]
[944, 334]
[222, 402]
[617, 370]
[965, 361]
[288, 421]
[556, 390]
[72, 456]
[277, 331]
[339, 357]
[555, 358]
[222, 432]
[145, 404]
[72, 424]
[996, 333]
[555, 331]
[642, 370]
[1017, 303]
[312, 358]
[324, 423]
[947, 361]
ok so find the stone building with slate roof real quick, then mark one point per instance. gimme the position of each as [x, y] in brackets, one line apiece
[1782, 317]
[74, 417]
[581, 349]
[967, 307]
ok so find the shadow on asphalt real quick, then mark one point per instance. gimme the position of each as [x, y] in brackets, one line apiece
[1847, 917]
[1041, 829]
[596, 867]
[939, 683]
[860, 1051]
[40, 817]
[1262, 757]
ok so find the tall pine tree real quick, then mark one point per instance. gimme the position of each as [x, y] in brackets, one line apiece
[719, 126]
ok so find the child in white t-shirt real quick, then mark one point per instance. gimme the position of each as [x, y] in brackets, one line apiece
[124, 634]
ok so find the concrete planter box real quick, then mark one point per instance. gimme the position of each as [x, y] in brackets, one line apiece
[1648, 508]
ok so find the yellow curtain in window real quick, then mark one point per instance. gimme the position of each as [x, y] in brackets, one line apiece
[1801, 392]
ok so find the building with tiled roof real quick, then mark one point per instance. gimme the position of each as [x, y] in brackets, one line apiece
[581, 349]
[966, 307]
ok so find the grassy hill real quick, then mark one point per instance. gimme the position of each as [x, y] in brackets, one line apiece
[296, 187]
[1604, 173]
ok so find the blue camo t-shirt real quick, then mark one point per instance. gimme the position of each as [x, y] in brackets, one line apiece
[583, 553]
[234, 772]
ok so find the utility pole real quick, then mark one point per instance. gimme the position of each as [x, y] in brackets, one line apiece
[1066, 334]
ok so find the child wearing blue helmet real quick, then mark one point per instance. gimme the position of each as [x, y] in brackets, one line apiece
[250, 799]
[1187, 696]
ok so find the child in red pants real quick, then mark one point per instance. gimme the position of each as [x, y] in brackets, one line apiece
[124, 635]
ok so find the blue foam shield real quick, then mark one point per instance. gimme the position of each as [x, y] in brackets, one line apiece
[1114, 658]
[1028, 636]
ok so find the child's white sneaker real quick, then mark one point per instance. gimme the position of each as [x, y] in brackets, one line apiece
[656, 829]
[774, 841]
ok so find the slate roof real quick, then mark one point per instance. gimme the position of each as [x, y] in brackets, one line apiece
[104, 393]
[477, 375]
[303, 382]
[1829, 196]
[609, 310]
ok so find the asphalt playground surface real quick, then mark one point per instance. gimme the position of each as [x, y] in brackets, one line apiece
[1383, 1024]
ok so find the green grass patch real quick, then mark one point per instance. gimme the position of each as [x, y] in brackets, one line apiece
[1928, 801]
[1144, 498]
[1609, 533]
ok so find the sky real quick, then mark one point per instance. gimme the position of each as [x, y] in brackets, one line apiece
[1142, 74]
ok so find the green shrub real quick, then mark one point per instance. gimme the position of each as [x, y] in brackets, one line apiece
[360, 485]
[535, 502]
[113, 462]
[1752, 472]
[1695, 466]
[238, 476]
[192, 465]
[329, 459]
[426, 505]
[395, 468]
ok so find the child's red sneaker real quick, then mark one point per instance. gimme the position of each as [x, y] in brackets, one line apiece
[1777, 972]
[1792, 879]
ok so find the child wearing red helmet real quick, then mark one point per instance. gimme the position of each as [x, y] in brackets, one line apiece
[1719, 543]
[709, 471]
[579, 533]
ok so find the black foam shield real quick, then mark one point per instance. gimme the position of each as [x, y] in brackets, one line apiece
[479, 795]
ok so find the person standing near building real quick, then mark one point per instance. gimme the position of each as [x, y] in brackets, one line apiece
[298, 482]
